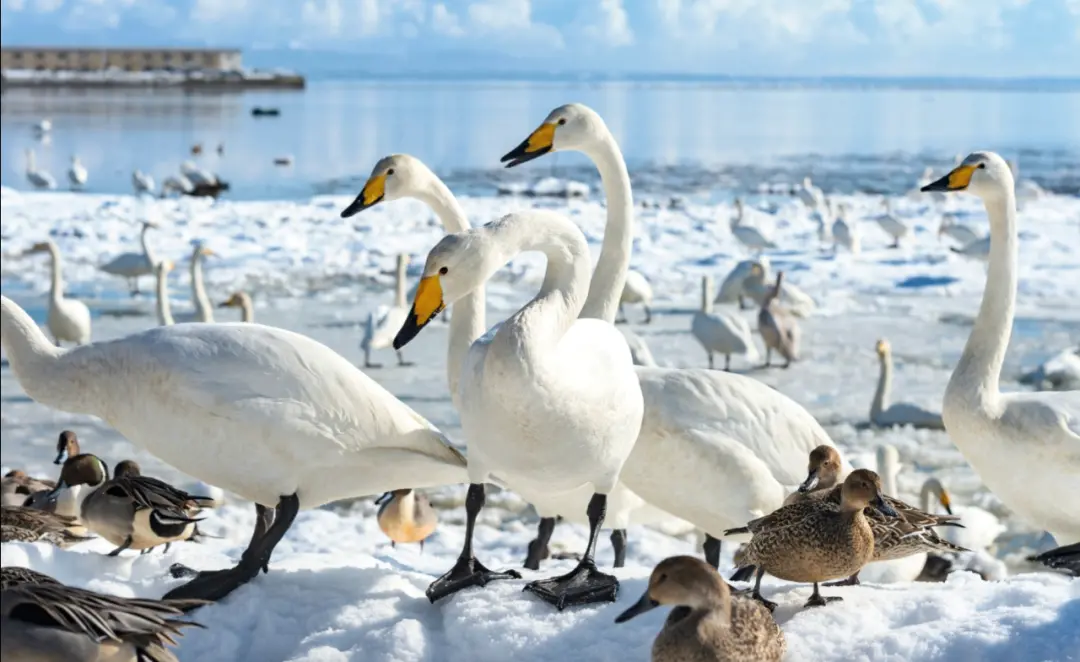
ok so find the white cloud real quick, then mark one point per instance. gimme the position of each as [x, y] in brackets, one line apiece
[15, 5]
[323, 17]
[48, 6]
[445, 22]
[611, 25]
[497, 15]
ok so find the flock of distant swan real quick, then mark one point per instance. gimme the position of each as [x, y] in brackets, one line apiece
[553, 408]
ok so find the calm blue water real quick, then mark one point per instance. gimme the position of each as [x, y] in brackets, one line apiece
[677, 136]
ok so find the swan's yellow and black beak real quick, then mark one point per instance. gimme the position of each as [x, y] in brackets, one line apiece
[428, 304]
[811, 481]
[371, 195]
[945, 501]
[538, 143]
[957, 180]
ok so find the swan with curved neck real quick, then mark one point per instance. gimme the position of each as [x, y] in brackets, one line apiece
[164, 309]
[886, 414]
[68, 320]
[241, 300]
[204, 310]
[712, 432]
[132, 265]
[281, 420]
[385, 322]
[1024, 446]
[550, 402]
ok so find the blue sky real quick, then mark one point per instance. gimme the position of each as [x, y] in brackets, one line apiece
[741, 37]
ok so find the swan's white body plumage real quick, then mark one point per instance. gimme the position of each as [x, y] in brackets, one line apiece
[890, 224]
[1024, 446]
[196, 175]
[636, 289]
[142, 182]
[204, 309]
[846, 234]
[384, 323]
[258, 411]
[747, 235]
[131, 264]
[884, 413]
[40, 179]
[744, 281]
[721, 333]
[77, 174]
[68, 320]
[1060, 372]
[978, 249]
[639, 349]
[958, 232]
[811, 196]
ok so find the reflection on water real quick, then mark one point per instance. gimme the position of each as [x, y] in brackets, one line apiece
[675, 135]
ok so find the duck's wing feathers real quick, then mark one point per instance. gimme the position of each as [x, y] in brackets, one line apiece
[16, 576]
[21, 524]
[782, 518]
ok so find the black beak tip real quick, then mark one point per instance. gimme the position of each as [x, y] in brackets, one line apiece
[351, 210]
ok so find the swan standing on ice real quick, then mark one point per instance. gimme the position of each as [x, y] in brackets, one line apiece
[888, 222]
[811, 196]
[704, 431]
[383, 324]
[163, 308]
[549, 401]
[748, 236]
[40, 179]
[884, 414]
[636, 289]
[725, 334]
[757, 287]
[177, 184]
[134, 265]
[68, 320]
[77, 174]
[242, 301]
[778, 327]
[1060, 372]
[845, 234]
[958, 232]
[142, 182]
[280, 420]
[1024, 446]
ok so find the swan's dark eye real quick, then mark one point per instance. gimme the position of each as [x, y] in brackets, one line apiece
[444, 271]
[390, 171]
[982, 165]
[562, 120]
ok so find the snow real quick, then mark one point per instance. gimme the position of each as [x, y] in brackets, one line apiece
[338, 591]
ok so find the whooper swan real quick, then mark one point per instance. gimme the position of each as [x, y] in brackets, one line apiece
[164, 309]
[204, 309]
[132, 265]
[1024, 446]
[1060, 372]
[77, 174]
[142, 182]
[747, 235]
[68, 319]
[721, 333]
[637, 290]
[385, 322]
[890, 224]
[886, 414]
[280, 420]
[241, 300]
[958, 232]
[844, 233]
[549, 402]
[40, 179]
[704, 430]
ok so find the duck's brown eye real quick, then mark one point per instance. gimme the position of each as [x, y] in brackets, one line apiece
[390, 171]
[562, 120]
[444, 271]
[661, 579]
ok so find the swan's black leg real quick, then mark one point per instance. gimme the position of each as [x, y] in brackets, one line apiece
[538, 548]
[712, 551]
[618, 543]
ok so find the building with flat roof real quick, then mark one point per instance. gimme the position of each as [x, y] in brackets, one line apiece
[122, 59]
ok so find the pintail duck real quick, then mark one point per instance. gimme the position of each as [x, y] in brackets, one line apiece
[19, 524]
[16, 488]
[708, 625]
[406, 516]
[14, 576]
[66, 446]
[818, 539]
[132, 512]
[45, 620]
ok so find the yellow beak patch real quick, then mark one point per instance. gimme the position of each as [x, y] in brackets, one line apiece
[374, 190]
[542, 138]
[429, 299]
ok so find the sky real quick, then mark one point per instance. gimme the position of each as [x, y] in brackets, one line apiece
[933, 38]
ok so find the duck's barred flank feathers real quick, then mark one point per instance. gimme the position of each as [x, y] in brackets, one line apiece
[20, 524]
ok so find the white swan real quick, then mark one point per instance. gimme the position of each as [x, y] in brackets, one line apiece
[891, 225]
[936, 197]
[748, 236]
[77, 174]
[142, 182]
[40, 179]
[176, 184]
[823, 216]
[845, 234]
[163, 308]
[704, 431]
[1024, 446]
[196, 175]
[958, 232]
[886, 414]
[732, 287]
[637, 289]
[241, 300]
[758, 285]
[68, 319]
[384, 323]
[41, 127]
[133, 265]
[204, 310]
[402, 176]
[811, 196]
[1060, 372]
[725, 334]
[976, 250]
[550, 403]
[280, 420]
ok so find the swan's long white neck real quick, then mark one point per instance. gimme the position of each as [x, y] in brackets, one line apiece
[147, 251]
[606, 287]
[887, 468]
[977, 375]
[55, 377]
[31, 161]
[884, 387]
[468, 317]
[56, 291]
[164, 309]
[399, 282]
[542, 322]
[247, 309]
[931, 488]
[706, 294]
[203, 307]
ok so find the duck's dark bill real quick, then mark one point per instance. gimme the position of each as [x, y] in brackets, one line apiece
[640, 607]
[810, 482]
[883, 506]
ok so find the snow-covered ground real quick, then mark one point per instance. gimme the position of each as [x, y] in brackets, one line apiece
[337, 591]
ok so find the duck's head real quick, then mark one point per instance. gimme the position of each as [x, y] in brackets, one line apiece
[883, 348]
[683, 581]
[456, 266]
[393, 177]
[67, 446]
[862, 488]
[127, 468]
[16, 474]
[985, 174]
[823, 470]
[574, 126]
[237, 300]
[83, 469]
